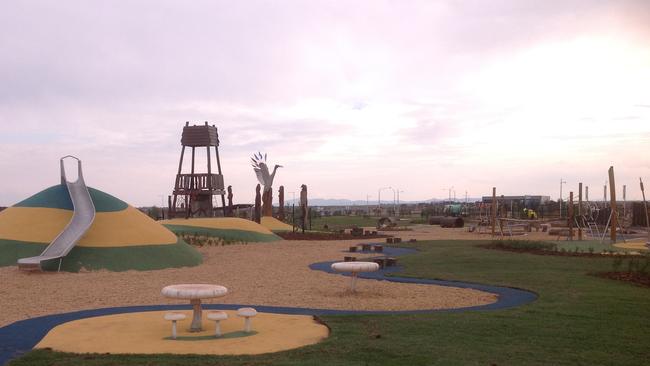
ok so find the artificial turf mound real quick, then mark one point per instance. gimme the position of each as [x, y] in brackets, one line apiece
[226, 228]
[120, 238]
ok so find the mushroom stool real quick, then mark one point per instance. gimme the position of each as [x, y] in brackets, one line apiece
[174, 316]
[217, 316]
[247, 314]
[354, 268]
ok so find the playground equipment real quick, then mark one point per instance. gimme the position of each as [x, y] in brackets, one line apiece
[194, 293]
[82, 219]
[247, 314]
[386, 222]
[197, 189]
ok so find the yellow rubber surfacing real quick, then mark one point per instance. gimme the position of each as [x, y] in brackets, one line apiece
[225, 223]
[634, 245]
[274, 224]
[149, 333]
[128, 227]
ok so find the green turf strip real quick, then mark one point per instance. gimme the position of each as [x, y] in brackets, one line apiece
[142, 258]
[58, 197]
[577, 320]
[225, 234]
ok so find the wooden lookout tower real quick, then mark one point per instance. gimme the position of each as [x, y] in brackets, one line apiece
[193, 193]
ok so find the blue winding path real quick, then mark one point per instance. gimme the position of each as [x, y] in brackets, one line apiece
[20, 337]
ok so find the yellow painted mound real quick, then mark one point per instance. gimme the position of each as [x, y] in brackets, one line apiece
[274, 224]
[128, 227]
[633, 245]
[220, 223]
[149, 333]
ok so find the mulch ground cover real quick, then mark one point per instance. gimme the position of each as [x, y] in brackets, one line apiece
[638, 278]
[326, 236]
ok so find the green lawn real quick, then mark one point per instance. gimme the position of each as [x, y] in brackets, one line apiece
[577, 320]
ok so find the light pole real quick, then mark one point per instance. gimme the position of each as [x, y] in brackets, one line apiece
[399, 208]
[449, 190]
[379, 198]
[368, 203]
[162, 207]
[562, 182]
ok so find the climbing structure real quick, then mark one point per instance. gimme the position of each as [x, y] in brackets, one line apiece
[194, 192]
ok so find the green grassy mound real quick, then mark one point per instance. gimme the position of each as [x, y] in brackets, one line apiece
[141, 258]
[58, 197]
[225, 234]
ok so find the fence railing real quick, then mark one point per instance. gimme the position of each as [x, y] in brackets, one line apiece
[198, 182]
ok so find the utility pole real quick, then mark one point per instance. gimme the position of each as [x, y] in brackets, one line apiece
[379, 198]
[562, 182]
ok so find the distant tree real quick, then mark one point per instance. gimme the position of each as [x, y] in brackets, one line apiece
[154, 212]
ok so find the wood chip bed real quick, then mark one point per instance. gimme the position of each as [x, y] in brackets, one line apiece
[274, 274]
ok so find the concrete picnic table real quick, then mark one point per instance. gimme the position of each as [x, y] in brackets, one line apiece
[194, 293]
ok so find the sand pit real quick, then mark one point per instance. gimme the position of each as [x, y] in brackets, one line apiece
[148, 332]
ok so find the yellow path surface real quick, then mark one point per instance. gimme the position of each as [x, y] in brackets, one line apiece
[225, 223]
[641, 245]
[129, 227]
[148, 332]
[274, 224]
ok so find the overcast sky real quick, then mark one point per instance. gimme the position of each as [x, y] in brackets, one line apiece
[349, 96]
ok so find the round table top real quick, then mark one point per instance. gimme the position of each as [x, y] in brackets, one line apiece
[355, 266]
[193, 291]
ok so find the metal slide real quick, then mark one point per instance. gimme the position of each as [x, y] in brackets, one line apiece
[82, 219]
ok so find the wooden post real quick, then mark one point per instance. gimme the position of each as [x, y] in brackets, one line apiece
[580, 210]
[645, 207]
[188, 205]
[570, 215]
[210, 181]
[172, 212]
[494, 210]
[612, 203]
[223, 197]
